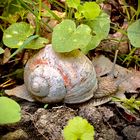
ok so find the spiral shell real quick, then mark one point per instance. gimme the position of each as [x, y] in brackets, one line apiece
[52, 77]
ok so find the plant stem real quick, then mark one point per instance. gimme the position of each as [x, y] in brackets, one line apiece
[58, 3]
[24, 5]
[130, 54]
[40, 7]
[138, 9]
[38, 19]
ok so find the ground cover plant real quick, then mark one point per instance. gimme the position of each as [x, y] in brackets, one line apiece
[97, 27]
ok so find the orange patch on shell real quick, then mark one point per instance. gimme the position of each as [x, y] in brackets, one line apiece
[65, 77]
[37, 62]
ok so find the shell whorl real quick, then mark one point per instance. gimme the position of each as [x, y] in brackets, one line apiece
[45, 82]
[53, 77]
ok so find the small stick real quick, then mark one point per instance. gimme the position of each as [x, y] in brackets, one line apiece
[114, 63]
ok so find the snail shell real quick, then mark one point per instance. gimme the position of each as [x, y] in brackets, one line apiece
[52, 77]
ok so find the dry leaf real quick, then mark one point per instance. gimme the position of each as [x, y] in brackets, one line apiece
[130, 78]
[21, 92]
[6, 56]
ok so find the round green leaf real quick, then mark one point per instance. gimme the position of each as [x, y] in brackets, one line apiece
[66, 37]
[1, 51]
[73, 3]
[134, 33]
[78, 129]
[100, 27]
[37, 43]
[94, 42]
[16, 34]
[91, 10]
[9, 111]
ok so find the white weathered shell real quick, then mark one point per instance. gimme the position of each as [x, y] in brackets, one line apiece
[54, 77]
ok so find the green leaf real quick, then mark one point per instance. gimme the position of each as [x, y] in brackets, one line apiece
[12, 8]
[100, 27]
[37, 43]
[3, 1]
[45, 106]
[25, 43]
[94, 42]
[78, 129]
[78, 14]
[12, 11]
[1, 51]
[9, 111]
[66, 37]
[138, 103]
[73, 3]
[10, 18]
[134, 33]
[16, 34]
[91, 10]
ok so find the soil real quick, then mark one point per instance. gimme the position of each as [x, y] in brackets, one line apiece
[38, 123]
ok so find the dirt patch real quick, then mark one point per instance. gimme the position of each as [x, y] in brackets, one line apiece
[47, 124]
